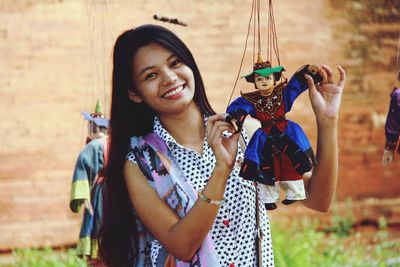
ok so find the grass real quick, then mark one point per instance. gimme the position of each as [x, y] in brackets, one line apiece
[302, 246]
[295, 245]
[46, 257]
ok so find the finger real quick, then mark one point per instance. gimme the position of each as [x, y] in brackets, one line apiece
[221, 126]
[342, 79]
[212, 119]
[311, 85]
[217, 117]
[217, 125]
[235, 136]
[329, 73]
[216, 134]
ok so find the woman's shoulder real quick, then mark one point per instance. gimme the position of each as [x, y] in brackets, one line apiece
[131, 157]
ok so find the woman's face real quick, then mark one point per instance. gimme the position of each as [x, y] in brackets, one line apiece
[265, 84]
[162, 80]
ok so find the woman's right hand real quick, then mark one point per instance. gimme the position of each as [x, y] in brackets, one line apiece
[224, 148]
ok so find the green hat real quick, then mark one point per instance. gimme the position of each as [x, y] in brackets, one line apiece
[264, 69]
[277, 71]
[99, 108]
[98, 116]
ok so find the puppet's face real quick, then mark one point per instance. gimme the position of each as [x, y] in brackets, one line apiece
[92, 130]
[264, 83]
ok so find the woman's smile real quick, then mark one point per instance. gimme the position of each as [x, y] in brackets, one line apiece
[175, 92]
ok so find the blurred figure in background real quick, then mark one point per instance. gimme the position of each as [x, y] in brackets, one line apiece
[392, 126]
[87, 184]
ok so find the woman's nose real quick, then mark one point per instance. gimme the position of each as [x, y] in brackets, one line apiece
[169, 77]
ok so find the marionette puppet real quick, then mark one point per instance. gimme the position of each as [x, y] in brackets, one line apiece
[392, 126]
[279, 153]
[87, 184]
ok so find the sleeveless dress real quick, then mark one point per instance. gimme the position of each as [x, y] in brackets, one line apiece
[234, 231]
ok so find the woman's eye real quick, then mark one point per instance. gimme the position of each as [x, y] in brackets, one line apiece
[150, 76]
[175, 63]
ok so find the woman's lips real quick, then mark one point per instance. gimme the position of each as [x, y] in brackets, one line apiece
[174, 92]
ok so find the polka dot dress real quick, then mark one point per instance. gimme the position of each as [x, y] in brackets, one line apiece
[234, 230]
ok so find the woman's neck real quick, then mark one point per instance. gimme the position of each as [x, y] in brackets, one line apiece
[187, 127]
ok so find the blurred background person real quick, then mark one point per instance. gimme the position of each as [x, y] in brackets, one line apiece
[392, 127]
[87, 184]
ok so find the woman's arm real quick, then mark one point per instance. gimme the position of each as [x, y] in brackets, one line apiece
[183, 236]
[325, 99]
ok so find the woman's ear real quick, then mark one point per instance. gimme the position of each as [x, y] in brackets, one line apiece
[134, 97]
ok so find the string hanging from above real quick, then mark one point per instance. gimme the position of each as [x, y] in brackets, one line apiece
[98, 79]
[271, 47]
[397, 60]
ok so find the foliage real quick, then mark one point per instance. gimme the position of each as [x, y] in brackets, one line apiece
[46, 257]
[297, 244]
[303, 246]
[341, 224]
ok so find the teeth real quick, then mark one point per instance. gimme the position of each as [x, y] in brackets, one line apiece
[174, 92]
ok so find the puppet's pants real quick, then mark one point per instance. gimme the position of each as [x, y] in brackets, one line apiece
[294, 190]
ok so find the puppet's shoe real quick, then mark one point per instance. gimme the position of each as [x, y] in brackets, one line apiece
[288, 201]
[270, 206]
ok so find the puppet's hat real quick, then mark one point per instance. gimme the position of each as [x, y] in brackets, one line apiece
[98, 117]
[263, 68]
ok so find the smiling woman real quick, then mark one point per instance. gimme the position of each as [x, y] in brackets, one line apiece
[161, 80]
[174, 196]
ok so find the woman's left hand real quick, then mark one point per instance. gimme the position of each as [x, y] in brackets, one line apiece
[326, 96]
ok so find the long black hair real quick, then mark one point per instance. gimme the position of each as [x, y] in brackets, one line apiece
[118, 236]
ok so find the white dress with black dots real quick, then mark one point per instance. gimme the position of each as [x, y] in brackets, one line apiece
[234, 230]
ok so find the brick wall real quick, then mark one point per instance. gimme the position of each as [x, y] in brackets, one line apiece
[55, 58]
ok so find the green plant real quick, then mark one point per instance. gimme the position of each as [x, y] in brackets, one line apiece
[301, 245]
[46, 257]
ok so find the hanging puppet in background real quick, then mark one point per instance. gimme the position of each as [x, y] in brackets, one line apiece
[392, 126]
[87, 184]
[279, 152]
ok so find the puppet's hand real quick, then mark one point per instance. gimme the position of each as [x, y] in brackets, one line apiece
[387, 157]
[313, 70]
[236, 119]
[326, 96]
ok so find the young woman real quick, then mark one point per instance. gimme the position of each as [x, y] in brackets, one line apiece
[174, 196]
